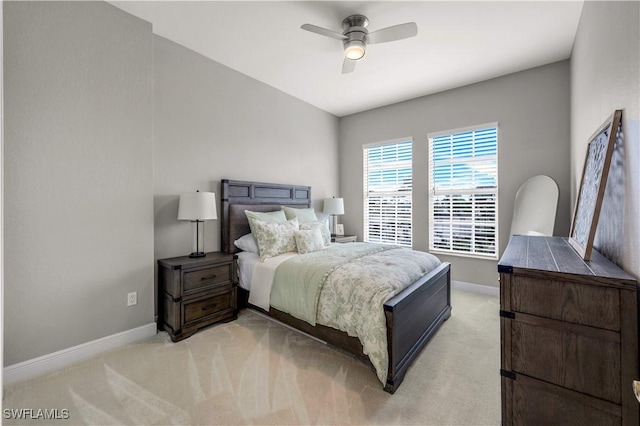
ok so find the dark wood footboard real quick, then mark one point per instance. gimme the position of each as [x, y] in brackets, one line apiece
[413, 316]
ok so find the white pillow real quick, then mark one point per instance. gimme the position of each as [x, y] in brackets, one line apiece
[246, 243]
[303, 215]
[275, 238]
[309, 240]
[320, 225]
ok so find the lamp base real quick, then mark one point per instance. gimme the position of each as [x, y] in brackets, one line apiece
[197, 254]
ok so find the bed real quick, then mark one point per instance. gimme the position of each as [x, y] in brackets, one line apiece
[411, 317]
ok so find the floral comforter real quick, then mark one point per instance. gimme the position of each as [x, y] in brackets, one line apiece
[345, 287]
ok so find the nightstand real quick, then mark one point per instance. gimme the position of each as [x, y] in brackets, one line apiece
[343, 239]
[196, 292]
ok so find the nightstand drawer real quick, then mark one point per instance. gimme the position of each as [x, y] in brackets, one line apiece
[343, 239]
[202, 308]
[198, 279]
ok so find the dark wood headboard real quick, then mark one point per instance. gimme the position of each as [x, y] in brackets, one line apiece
[238, 196]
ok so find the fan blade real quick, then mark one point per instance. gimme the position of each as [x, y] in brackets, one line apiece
[349, 65]
[396, 32]
[323, 31]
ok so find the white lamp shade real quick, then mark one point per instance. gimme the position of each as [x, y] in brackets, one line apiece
[197, 206]
[333, 206]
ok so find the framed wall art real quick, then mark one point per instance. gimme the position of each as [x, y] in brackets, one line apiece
[592, 186]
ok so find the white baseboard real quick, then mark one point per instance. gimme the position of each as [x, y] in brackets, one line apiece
[54, 361]
[475, 288]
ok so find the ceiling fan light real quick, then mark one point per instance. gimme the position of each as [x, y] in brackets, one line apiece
[354, 49]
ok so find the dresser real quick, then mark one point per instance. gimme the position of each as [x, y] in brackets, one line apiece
[195, 293]
[569, 336]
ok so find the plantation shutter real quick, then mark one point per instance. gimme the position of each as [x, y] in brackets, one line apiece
[388, 182]
[463, 191]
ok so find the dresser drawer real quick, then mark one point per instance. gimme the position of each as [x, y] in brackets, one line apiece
[204, 308]
[567, 301]
[532, 402]
[584, 363]
[197, 279]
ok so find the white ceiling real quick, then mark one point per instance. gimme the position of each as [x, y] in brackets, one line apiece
[458, 43]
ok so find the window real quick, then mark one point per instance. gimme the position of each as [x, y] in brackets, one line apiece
[388, 181]
[463, 191]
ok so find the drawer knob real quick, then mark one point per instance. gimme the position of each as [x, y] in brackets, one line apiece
[208, 278]
[209, 307]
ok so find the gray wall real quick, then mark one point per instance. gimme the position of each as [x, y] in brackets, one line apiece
[532, 110]
[1, 203]
[211, 122]
[605, 75]
[78, 188]
[105, 125]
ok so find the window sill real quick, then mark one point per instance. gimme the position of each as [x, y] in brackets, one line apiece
[467, 255]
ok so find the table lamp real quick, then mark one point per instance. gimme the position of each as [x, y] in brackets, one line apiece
[197, 207]
[334, 206]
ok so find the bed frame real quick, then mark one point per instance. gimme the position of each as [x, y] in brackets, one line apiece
[413, 316]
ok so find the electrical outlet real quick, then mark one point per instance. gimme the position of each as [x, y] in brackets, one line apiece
[132, 298]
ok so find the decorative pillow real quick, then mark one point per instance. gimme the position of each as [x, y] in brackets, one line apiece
[326, 219]
[275, 216]
[246, 243]
[309, 240]
[320, 225]
[275, 238]
[303, 215]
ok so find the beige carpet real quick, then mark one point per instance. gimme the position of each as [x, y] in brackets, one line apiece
[254, 371]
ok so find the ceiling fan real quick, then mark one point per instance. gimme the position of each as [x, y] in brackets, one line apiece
[355, 37]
